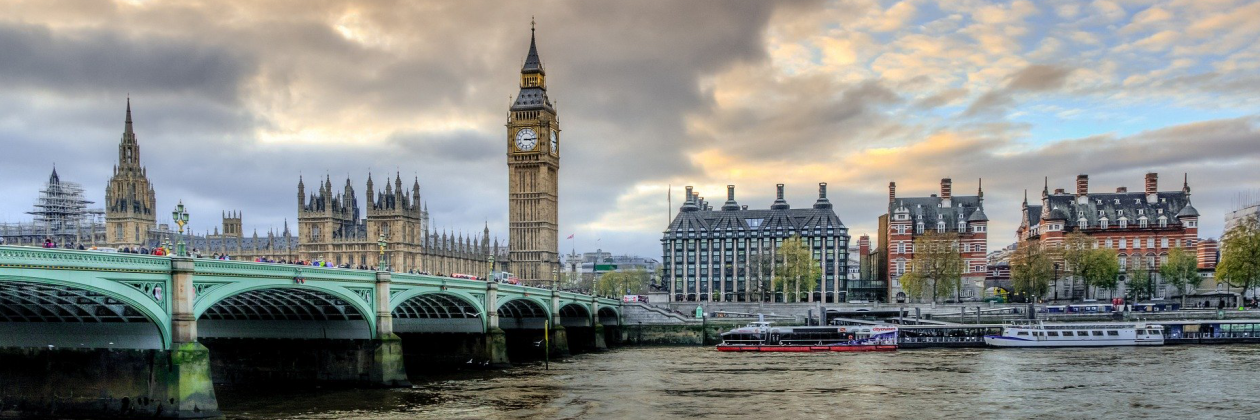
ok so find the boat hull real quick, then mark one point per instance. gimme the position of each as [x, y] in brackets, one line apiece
[1010, 342]
[805, 349]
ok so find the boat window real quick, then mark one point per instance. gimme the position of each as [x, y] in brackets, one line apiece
[1152, 332]
[1113, 333]
[1098, 333]
[1067, 334]
[1022, 333]
[1083, 333]
[1052, 333]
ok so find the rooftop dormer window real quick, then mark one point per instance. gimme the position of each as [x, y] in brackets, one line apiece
[1102, 223]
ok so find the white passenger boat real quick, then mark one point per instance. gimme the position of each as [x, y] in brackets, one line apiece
[1039, 334]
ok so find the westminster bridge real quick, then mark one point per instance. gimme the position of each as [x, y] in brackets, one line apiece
[107, 333]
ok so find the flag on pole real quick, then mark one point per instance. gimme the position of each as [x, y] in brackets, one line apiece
[570, 237]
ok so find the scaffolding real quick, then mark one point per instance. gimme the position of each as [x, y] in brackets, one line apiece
[61, 214]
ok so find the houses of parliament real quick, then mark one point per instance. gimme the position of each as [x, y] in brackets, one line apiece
[332, 228]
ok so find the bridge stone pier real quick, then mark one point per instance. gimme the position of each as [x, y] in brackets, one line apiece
[86, 334]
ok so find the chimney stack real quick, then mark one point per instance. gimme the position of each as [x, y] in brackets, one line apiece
[1060, 191]
[1122, 190]
[1082, 185]
[947, 186]
[779, 202]
[730, 193]
[689, 196]
[892, 192]
[1152, 187]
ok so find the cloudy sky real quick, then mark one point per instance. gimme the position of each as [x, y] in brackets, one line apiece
[234, 100]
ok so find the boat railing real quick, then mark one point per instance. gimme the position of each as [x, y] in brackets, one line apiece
[966, 339]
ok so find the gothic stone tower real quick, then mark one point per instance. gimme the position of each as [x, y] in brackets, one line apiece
[533, 157]
[130, 206]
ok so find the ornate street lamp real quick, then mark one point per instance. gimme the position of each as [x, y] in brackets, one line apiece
[381, 264]
[555, 277]
[490, 268]
[181, 218]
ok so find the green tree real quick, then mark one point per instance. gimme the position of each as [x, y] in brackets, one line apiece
[1240, 255]
[1032, 269]
[1101, 268]
[1077, 248]
[1141, 280]
[937, 267]
[620, 283]
[799, 270]
[1181, 270]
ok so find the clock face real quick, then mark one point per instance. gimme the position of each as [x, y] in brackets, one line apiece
[555, 146]
[526, 139]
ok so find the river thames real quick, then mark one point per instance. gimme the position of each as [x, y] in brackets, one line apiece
[673, 382]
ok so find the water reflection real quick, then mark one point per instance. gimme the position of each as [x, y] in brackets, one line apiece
[672, 382]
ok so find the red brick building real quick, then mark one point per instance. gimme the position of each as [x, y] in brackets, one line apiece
[1208, 252]
[1140, 226]
[909, 217]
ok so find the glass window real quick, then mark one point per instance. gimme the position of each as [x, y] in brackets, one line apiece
[1052, 333]
[1022, 333]
[1098, 333]
[1113, 333]
[1068, 334]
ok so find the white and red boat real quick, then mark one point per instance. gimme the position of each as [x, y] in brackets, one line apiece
[762, 337]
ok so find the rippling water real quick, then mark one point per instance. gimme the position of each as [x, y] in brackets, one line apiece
[673, 382]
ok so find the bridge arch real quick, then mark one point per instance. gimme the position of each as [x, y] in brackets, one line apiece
[93, 313]
[575, 315]
[608, 316]
[437, 312]
[523, 313]
[284, 310]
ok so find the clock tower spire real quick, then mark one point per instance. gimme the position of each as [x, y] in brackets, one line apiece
[533, 158]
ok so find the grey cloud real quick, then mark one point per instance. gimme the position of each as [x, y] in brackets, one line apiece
[809, 117]
[1033, 78]
[73, 62]
[941, 98]
[1038, 78]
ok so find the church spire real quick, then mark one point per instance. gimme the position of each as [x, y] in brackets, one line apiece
[532, 63]
[127, 127]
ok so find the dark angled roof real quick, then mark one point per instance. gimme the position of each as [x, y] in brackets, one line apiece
[532, 98]
[1130, 205]
[532, 63]
[978, 216]
[930, 210]
[770, 222]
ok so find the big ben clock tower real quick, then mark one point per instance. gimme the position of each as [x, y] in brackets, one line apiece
[533, 158]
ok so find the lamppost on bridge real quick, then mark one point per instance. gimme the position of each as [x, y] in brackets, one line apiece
[181, 218]
[555, 277]
[490, 267]
[381, 265]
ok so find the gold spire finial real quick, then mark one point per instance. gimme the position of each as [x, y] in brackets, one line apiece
[531, 23]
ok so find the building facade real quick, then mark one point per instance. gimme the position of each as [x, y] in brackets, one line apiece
[130, 204]
[533, 159]
[729, 254]
[910, 217]
[1141, 226]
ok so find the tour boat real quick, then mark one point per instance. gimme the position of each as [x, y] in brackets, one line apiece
[762, 337]
[1038, 334]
